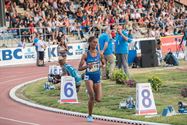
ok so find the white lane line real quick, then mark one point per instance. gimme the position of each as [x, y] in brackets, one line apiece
[13, 120]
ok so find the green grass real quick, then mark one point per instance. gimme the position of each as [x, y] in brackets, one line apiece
[169, 94]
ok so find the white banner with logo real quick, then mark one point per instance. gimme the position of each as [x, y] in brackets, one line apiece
[14, 56]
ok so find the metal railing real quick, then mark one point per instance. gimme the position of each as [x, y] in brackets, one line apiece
[9, 37]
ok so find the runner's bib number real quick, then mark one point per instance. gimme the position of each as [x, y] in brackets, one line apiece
[95, 67]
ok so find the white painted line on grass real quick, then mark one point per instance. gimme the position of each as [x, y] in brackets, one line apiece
[18, 121]
[13, 96]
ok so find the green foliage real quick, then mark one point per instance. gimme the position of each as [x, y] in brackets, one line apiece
[107, 70]
[113, 77]
[156, 83]
[119, 76]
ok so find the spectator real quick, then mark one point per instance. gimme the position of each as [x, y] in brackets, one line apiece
[21, 43]
[41, 49]
[105, 47]
[109, 56]
[35, 41]
[145, 13]
[73, 29]
[123, 38]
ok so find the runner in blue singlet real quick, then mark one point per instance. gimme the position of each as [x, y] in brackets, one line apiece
[94, 72]
[92, 58]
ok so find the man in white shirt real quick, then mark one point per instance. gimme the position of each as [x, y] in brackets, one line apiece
[21, 43]
[41, 49]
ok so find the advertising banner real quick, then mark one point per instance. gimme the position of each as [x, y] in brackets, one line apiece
[171, 43]
[14, 56]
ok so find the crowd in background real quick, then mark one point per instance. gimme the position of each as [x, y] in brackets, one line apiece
[149, 18]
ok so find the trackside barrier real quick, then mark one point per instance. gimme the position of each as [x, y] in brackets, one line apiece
[27, 55]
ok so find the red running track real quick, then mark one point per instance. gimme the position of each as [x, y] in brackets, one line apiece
[13, 113]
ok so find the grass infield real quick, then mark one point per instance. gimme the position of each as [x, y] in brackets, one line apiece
[173, 78]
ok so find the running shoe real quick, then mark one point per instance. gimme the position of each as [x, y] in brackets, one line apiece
[89, 118]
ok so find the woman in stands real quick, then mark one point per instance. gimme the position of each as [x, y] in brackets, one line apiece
[92, 58]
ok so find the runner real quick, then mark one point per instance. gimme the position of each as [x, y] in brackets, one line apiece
[92, 59]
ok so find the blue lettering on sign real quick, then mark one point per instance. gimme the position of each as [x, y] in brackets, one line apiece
[16, 56]
[70, 50]
[8, 55]
[51, 52]
[29, 56]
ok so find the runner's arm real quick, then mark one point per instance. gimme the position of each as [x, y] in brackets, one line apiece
[81, 67]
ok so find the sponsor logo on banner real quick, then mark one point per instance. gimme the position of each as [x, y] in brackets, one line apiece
[13, 56]
[70, 50]
[29, 53]
[9, 54]
[79, 50]
[171, 43]
[52, 51]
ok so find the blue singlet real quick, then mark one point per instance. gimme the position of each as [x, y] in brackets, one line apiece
[93, 73]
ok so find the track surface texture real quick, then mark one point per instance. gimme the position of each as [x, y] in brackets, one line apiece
[13, 113]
